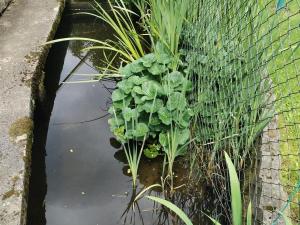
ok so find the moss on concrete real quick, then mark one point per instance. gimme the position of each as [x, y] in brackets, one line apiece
[37, 96]
[20, 127]
[12, 191]
[8, 194]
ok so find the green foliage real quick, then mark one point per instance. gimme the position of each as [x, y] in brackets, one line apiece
[236, 200]
[172, 207]
[134, 149]
[128, 44]
[174, 143]
[165, 22]
[235, 191]
[232, 91]
[155, 94]
[152, 151]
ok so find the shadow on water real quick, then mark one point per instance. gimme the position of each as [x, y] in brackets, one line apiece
[79, 172]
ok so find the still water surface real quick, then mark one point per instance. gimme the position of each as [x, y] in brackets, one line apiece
[79, 172]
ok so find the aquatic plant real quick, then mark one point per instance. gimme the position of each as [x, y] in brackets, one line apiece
[128, 44]
[172, 207]
[232, 90]
[236, 200]
[134, 149]
[174, 144]
[151, 89]
[165, 22]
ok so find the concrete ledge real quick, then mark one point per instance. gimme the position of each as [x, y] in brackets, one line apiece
[25, 25]
[3, 5]
[271, 196]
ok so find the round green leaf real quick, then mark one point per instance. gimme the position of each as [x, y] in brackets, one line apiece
[141, 130]
[138, 90]
[176, 101]
[125, 85]
[152, 106]
[157, 69]
[137, 66]
[165, 116]
[126, 70]
[148, 60]
[117, 95]
[152, 151]
[163, 139]
[184, 118]
[155, 120]
[150, 89]
[174, 79]
[135, 80]
[129, 113]
[183, 136]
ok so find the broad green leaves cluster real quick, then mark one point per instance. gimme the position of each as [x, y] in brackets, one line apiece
[150, 99]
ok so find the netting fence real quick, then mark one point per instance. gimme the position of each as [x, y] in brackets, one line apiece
[245, 59]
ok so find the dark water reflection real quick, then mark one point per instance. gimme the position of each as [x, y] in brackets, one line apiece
[86, 173]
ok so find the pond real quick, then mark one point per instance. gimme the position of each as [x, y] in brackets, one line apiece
[79, 172]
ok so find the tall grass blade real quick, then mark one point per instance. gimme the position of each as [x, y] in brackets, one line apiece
[145, 190]
[172, 207]
[249, 214]
[236, 200]
[213, 220]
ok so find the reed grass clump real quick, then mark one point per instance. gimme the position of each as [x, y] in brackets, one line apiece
[232, 90]
[236, 201]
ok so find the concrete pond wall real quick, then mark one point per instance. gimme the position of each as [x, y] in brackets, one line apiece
[79, 4]
[25, 26]
[4, 4]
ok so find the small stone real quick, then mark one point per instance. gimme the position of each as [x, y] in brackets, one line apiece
[128, 171]
[83, 193]
[21, 138]
[71, 150]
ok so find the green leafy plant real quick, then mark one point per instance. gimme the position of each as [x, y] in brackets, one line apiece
[152, 151]
[128, 44]
[172, 207]
[151, 89]
[134, 149]
[174, 144]
[236, 200]
[232, 89]
[165, 22]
